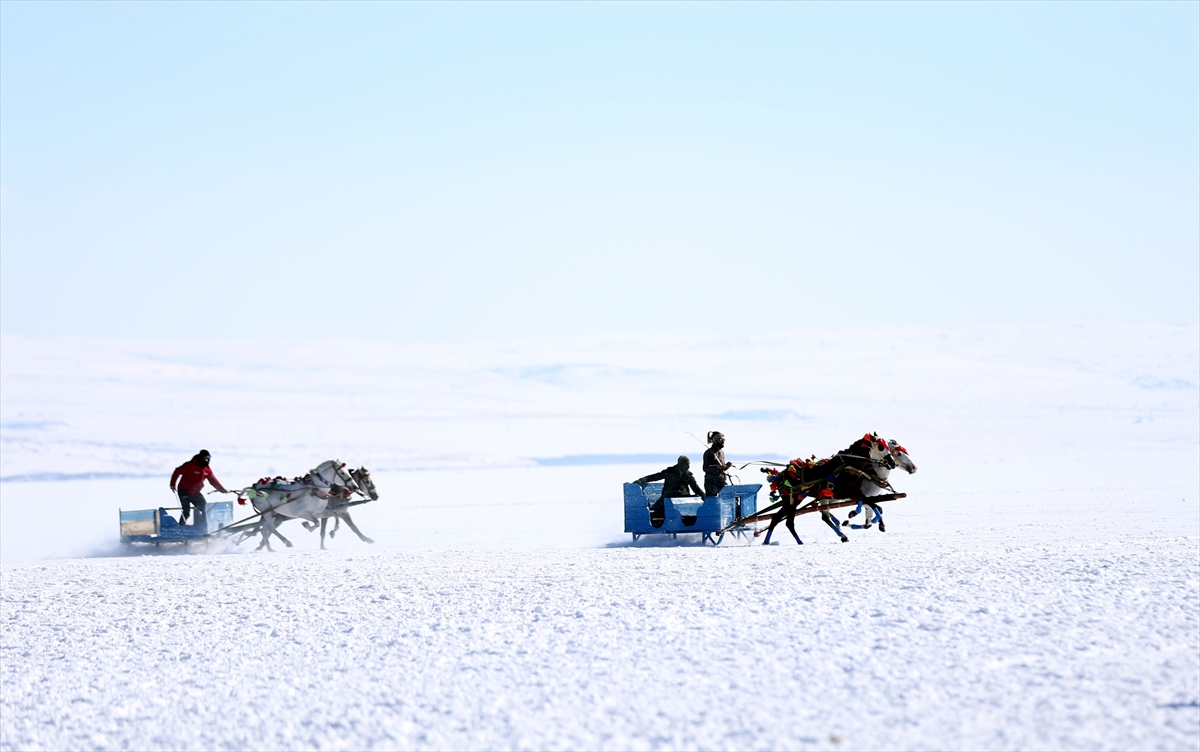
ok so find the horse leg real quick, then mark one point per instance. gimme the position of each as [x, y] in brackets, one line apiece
[350, 522]
[791, 526]
[833, 524]
[286, 542]
[878, 517]
[337, 525]
[269, 526]
[324, 520]
[775, 520]
[266, 538]
[869, 518]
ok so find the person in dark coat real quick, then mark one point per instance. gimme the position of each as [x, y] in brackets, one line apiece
[190, 477]
[677, 479]
[715, 464]
[678, 482]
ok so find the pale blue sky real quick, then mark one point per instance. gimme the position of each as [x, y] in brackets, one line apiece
[489, 170]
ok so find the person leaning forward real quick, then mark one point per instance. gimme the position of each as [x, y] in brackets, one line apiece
[677, 480]
[190, 477]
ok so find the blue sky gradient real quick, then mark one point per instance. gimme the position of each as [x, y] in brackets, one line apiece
[473, 171]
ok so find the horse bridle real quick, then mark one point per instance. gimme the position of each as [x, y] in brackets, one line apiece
[350, 483]
[358, 484]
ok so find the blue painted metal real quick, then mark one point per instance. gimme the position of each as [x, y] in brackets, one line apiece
[158, 526]
[687, 514]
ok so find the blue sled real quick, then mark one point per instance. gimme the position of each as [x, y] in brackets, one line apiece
[157, 526]
[690, 514]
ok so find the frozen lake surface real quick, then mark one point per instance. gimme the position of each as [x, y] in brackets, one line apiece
[892, 642]
[1039, 588]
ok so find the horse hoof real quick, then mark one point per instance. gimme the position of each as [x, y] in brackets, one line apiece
[852, 514]
[368, 540]
[289, 545]
[845, 539]
[882, 529]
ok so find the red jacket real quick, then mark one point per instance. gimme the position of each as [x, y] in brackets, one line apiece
[191, 476]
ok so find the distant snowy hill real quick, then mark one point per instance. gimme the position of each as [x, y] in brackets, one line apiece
[78, 409]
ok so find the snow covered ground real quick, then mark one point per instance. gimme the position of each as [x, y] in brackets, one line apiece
[896, 643]
[1039, 588]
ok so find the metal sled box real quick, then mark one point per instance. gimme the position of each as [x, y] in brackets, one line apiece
[688, 514]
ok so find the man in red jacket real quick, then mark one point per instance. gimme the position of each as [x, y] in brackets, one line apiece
[190, 477]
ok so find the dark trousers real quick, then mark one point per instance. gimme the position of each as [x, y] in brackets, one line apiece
[658, 513]
[714, 484]
[187, 501]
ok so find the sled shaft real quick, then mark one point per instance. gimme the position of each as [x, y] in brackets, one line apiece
[770, 511]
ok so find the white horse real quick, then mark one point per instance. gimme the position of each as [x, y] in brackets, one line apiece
[338, 507]
[883, 457]
[306, 498]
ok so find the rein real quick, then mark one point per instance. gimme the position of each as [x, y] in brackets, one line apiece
[763, 462]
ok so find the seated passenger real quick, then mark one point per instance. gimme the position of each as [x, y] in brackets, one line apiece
[677, 482]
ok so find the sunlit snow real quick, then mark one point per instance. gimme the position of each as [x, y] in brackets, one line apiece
[1039, 587]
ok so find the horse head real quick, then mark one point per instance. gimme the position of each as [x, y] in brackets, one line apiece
[334, 473]
[329, 473]
[900, 456]
[877, 449]
[362, 478]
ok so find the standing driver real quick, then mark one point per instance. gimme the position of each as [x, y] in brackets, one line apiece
[190, 477]
[715, 466]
